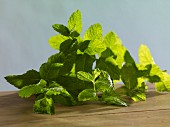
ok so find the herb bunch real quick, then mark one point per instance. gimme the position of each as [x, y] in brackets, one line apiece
[70, 76]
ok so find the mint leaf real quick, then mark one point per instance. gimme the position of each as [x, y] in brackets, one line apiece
[85, 76]
[30, 90]
[28, 78]
[75, 22]
[164, 84]
[95, 46]
[94, 32]
[61, 29]
[109, 64]
[129, 74]
[44, 106]
[113, 42]
[50, 71]
[114, 100]
[87, 95]
[56, 58]
[104, 82]
[56, 40]
[145, 56]
[84, 62]
[108, 53]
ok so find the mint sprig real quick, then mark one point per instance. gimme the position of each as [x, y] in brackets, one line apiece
[70, 76]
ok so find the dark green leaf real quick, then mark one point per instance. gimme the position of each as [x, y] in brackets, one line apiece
[61, 29]
[109, 64]
[68, 46]
[84, 62]
[129, 74]
[56, 58]
[44, 106]
[50, 71]
[128, 58]
[28, 78]
[108, 53]
[87, 95]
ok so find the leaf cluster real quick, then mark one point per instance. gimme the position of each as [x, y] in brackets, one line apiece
[86, 68]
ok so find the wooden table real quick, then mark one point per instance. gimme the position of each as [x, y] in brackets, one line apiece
[154, 112]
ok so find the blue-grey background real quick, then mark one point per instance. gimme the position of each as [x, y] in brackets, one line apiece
[25, 27]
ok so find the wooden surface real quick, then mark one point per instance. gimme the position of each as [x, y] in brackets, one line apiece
[154, 112]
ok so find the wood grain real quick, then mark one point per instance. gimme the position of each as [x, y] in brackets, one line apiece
[155, 111]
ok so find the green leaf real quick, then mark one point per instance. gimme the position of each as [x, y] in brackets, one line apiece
[50, 71]
[129, 74]
[30, 90]
[28, 78]
[84, 62]
[113, 42]
[87, 95]
[145, 56]
[128, 58]
[164, 84]
[108, 53]
[68, 46]
[68, 64]
[56, 58]
[94, 32]
[85, 76]
[95, 46]
[114, 100]
[75, 22]
[56, 40]
[139, 97]
[44, 106]
[61, 29]
[104, 82]
[109, 64]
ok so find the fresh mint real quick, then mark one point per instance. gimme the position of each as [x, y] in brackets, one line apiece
[70, 76]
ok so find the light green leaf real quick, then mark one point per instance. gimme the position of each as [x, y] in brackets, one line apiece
[164, 84]
[139, 97]
[28, 78]
[56, 40]
[87, 95]
[61, 29]
[109, 64]
[50, 71]
[113, 42]
[145, 56]
[94, 32]
[85, 76]
[95, 47]
[75, 22]
[30, 90]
